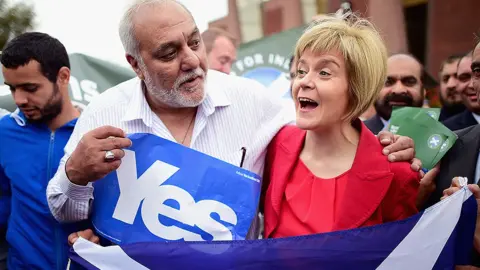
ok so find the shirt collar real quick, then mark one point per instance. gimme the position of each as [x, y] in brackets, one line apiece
[477, 117]
[21, 120]
[385, 122]
[216, 96]
[138, 107]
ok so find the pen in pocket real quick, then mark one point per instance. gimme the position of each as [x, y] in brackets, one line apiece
[244, 152]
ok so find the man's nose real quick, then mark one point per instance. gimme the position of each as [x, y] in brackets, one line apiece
[20, 98]
[398, 87]
[190, 61]
[470, 84]
[452, 82]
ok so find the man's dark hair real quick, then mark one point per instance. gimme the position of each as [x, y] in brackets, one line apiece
[450, 59]
[46, 50]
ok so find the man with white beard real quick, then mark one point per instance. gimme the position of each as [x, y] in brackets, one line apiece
[172, 98]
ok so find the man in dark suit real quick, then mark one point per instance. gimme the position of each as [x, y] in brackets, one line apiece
[403, 87]
[448, 92]
[462, 160]
[376, 123]
[471, 116]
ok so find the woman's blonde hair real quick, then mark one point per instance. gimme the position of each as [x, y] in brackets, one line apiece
[364, 52]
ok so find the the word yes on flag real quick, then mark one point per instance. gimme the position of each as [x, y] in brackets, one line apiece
[164, 191]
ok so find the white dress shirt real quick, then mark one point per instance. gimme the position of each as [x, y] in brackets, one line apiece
[237, 112]
[477, 170]
[385, 123]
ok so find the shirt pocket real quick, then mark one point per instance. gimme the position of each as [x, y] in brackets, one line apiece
[234, 158]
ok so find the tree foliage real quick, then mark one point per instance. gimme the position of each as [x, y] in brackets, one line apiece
[15, 19]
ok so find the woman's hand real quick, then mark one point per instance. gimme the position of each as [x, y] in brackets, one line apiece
[399, 148]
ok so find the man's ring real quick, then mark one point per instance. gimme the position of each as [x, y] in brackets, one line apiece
[109, 155]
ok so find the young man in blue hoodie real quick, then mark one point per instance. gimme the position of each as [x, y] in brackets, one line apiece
[36, 67]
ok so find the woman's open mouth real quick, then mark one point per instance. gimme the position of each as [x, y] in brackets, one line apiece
[307, 104]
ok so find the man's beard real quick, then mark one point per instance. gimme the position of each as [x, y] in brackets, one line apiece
[174, 97]
[451, 106]
[52, 108]
[384, 109]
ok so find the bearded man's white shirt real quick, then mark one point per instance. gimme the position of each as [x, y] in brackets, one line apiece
[237, 112]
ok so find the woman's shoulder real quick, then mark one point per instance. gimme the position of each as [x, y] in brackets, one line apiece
[287, 132]
[289, 138]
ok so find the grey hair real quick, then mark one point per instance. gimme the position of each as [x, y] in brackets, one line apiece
[126, 29]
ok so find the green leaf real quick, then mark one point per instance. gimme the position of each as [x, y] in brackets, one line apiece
[15, 19]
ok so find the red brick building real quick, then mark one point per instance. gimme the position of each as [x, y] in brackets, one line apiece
[430, 29]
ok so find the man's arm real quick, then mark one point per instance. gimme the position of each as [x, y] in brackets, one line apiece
[70, 191]
[69, 202]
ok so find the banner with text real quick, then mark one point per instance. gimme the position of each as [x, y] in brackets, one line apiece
[164, 191]
[267, 60]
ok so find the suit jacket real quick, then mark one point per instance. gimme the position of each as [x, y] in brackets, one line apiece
[375, 124]
[448, 112]
[460, 121]
[378, 191]
[460, 160]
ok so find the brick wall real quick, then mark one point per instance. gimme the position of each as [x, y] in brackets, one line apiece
[280, 15]
[451, 27]
[229, 22]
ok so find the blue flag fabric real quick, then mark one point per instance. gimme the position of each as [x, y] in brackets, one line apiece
[164, 191]
[438, 238]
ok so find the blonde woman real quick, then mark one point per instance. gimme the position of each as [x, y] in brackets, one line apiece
[328, 172]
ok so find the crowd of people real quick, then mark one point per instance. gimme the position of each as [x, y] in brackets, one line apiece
[323, 169]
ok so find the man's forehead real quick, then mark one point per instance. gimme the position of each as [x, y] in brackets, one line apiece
[161, 20]
[450, 68]
[403, 65]
[464, 65]
[224, 46]
[29, 73]
[476, 53]
[223, 42]
[32, 68]
[404, 70]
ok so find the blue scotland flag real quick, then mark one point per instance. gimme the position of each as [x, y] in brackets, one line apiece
[438, 238]
[164, 191]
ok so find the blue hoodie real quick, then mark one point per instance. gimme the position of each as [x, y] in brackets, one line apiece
[29, 157]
